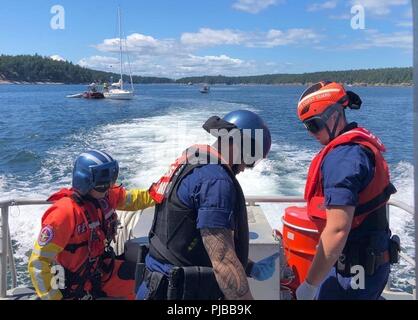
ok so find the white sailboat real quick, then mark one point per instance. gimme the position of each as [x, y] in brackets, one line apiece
[117, 90]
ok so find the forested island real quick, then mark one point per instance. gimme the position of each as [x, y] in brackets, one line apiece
[39, 69]
[372, 77]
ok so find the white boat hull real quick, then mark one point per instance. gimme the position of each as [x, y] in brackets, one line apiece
[119, 95]
[77, 95]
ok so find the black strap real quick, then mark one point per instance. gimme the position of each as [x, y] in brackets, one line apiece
[249, 268]
[191, 284]
[216, 123]
[72, 247]
[376, 201]
[107, 268]
[199, 283]
[157, 286]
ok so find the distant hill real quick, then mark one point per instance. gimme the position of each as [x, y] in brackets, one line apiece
[28, 68]
[385, 76]
[35, 68]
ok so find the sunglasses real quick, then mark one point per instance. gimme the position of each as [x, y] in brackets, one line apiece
[317, 123]
[314, 124]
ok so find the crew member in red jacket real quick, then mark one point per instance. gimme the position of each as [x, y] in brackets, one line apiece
[72, 257]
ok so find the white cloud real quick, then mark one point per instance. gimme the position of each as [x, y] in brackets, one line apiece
[275, 38]
[401, 40]
[210, 37]
[177, 58]
[173, 66]
[213, 65]
[375, 39]
[379, 7]
[408, 13]
[100, 62]
[332, 4]
[406, 24]
[138, 43]
[254, 6]
[57, 57]
[344, 16]
[272, 38]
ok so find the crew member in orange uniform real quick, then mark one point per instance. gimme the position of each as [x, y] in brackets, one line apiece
[72, 257]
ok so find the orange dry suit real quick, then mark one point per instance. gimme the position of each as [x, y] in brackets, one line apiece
[72, 258]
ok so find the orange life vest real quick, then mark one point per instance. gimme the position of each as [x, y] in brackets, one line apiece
[374, 196]
[94, 225]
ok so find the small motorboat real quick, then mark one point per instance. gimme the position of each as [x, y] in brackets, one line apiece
[205, 89]
[92, 92]
[93, 95]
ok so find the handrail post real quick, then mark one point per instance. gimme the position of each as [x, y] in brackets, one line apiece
[4, 244]
[387, 286]
[12, 264]
[415, 124]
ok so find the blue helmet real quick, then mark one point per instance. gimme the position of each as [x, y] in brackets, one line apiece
[94, 169]
[244, 119]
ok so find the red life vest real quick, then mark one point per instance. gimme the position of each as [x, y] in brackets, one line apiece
[158, 189]
[374, 196]
[94, 226]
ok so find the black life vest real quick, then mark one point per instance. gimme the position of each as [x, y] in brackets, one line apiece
[174, 237]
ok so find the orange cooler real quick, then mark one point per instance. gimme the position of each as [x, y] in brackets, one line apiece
[300, 238]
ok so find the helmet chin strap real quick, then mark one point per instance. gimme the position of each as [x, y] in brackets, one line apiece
[332, 133]
[235, 168]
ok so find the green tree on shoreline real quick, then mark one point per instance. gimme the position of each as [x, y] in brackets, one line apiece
[35, 68]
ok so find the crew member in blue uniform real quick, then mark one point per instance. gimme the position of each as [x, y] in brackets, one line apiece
[347, 189]
[199, 238]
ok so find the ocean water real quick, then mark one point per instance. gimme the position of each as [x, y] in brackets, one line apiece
[41, 133]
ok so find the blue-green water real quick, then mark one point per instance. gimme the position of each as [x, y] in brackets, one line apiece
[42, 132]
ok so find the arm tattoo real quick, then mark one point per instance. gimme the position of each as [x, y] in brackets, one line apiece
[229, 271]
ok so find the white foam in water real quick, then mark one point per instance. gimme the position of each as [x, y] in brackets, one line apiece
[24, 221]
[145, 148]
[401, 222]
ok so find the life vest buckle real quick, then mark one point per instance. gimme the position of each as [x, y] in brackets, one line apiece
[88, 296]
[92, 260]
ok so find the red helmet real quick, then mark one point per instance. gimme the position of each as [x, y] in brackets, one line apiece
[319, 97]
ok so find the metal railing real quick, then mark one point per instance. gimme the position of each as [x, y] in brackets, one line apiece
[7, 262]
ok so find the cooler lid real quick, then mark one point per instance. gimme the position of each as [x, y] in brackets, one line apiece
[298, 216]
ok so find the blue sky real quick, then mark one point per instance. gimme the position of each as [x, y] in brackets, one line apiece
[230, 37]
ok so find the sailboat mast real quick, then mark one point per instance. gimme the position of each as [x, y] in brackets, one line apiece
[120, 47]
